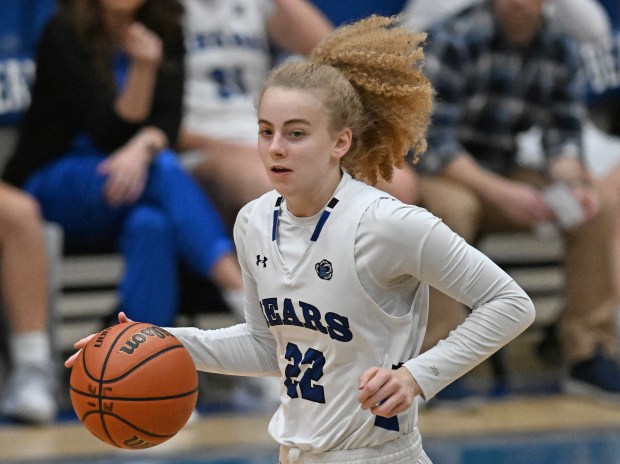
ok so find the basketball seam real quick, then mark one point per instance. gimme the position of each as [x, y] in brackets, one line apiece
[122, 419]
[103, 367]
[123, 398]
[141, 363]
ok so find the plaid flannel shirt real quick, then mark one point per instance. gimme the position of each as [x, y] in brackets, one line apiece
[487, 91]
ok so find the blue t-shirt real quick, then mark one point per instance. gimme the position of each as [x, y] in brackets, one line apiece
[21, 22]
[346, 11]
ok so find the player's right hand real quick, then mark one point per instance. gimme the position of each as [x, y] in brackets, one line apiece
[122, 317]
[387, 392]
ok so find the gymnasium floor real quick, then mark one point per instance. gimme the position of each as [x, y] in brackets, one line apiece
[553, 429]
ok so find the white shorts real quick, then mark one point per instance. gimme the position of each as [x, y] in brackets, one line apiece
[404, 450]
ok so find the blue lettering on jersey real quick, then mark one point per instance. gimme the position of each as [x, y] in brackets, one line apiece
[308, 316]
[201, 41]
[231, 82]
[288, 314]
[312, 317]
[270, 308]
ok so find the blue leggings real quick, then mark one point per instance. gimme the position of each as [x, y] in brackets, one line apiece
[172, 220]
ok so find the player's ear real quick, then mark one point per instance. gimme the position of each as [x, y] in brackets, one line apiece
[342, 143]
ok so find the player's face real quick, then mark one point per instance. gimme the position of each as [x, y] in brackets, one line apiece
[300, 154]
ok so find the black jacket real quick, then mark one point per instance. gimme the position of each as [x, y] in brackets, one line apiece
[68, 99]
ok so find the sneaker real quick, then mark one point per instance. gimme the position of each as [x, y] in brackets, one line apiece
[28, 397]
[598, 376]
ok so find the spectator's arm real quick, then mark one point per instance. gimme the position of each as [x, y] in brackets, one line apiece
[296, 26]
[584, 20]
[167, 110]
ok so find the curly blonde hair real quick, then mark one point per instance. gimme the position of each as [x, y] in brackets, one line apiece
[369, 77]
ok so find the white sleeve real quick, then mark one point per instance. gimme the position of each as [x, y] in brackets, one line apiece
[584, 20]
[420, 245]
[244, 349]
[501, 310]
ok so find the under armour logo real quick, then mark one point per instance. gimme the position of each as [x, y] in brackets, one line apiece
[260, 260]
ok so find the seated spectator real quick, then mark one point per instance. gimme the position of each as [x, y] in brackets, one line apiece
[500, 68]
[602, 156]
[228, 54]
[29, 391]
[94, 149]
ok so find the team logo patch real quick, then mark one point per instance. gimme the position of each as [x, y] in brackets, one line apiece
[324, 269]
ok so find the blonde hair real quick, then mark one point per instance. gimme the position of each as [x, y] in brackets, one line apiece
[369, 77]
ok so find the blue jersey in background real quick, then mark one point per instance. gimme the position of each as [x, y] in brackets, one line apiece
[346, 11]
[21, 23]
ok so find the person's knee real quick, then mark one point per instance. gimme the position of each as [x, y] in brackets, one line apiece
[608, 213]
[166, 161]
[21, 214]
[404, 185]
[459, 208]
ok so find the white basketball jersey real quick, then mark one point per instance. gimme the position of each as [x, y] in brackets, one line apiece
[328, 330]
[227, 59]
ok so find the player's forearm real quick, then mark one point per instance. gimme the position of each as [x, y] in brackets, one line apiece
[486, 330]
[232, 350]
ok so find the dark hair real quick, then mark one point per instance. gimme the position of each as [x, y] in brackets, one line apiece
[368, 76]
[163, 17]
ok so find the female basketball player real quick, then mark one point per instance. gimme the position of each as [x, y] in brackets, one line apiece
[337, 273]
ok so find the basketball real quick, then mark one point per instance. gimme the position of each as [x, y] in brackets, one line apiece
[134, 385]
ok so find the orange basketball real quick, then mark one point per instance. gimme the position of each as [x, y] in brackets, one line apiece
[134, 385]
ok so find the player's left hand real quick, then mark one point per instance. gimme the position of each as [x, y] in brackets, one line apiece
[387, 392]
